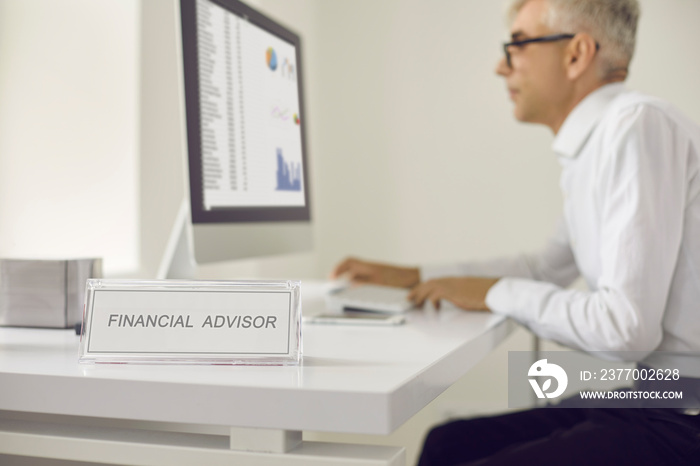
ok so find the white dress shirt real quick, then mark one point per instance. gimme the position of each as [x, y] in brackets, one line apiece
[631, 227]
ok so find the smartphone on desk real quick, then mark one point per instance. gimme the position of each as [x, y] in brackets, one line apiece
[355, 318]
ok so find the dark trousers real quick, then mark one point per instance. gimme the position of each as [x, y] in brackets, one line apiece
[567, 436]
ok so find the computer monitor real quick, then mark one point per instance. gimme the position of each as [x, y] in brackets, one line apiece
[248, 183]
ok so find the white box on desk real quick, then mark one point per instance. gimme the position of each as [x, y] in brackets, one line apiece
[44, 293]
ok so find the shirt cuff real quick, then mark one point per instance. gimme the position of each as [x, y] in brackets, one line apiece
[512, 297]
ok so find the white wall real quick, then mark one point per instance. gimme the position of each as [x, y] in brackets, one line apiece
[420, 158]
[68, 130]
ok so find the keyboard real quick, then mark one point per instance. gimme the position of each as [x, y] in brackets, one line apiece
[373, 298]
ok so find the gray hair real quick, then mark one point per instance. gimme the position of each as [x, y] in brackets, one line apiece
[612, 23]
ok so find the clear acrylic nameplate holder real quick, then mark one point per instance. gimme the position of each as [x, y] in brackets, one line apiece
[191, 322]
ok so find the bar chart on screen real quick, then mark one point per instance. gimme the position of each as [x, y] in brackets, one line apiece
[288, 174]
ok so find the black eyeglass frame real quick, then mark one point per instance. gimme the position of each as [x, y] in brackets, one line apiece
[550, 38]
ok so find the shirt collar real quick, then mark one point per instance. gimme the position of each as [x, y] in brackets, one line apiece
[583, 118]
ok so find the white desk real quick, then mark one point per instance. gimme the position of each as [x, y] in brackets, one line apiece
[353, 379]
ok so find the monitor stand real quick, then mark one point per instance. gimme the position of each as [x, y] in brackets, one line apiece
[178, 258]
[190, 245]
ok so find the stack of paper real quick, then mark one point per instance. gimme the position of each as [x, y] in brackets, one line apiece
[44, 293]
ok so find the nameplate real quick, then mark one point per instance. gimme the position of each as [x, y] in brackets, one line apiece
[199, 322]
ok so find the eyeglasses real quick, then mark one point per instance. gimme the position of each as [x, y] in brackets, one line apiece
[552, 38]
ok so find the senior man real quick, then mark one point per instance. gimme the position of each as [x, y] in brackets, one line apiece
[631, 228]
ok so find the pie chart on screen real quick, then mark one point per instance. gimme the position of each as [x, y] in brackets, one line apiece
[271, 58]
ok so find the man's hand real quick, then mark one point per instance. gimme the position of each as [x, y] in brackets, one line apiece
[465, 292]
[359, 271]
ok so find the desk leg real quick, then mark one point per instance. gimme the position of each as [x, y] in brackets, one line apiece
[264, 440]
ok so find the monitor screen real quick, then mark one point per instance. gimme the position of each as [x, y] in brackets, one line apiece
[244, 123]
[243, 98]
